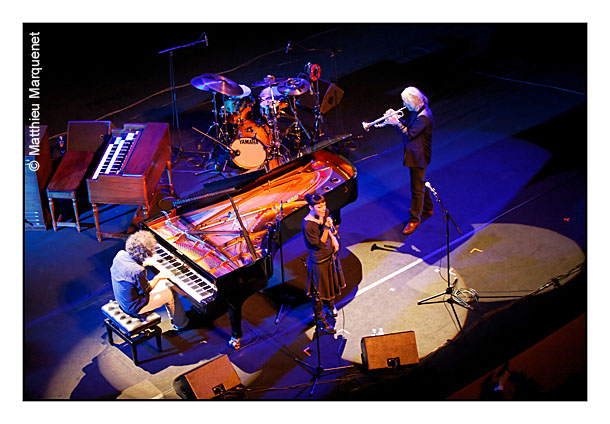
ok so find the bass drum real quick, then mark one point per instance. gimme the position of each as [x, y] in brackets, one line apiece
[250, 145]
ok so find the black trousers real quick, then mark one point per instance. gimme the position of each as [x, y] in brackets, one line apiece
[420, 194]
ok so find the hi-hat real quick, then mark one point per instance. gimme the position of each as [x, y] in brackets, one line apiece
[217, 83]
[294, 86]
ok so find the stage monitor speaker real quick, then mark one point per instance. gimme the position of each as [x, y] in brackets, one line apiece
[389, 350]
[330, 96]
[208, 381]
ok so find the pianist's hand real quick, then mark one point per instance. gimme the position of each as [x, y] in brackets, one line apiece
[157, 278]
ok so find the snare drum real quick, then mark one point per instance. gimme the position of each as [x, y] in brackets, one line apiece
[267, 103]
[251, 144]
[266, 108]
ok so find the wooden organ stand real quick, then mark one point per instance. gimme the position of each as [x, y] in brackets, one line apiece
[134, 180]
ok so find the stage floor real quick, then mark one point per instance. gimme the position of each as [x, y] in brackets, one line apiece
[500, 165]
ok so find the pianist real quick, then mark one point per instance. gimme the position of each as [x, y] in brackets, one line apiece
[324, 274]
[134, 293]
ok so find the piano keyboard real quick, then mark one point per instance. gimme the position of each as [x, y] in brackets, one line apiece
[116, 152]
[181, 275]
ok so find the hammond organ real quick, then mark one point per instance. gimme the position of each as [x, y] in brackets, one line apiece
[205, 248]
[131, 168]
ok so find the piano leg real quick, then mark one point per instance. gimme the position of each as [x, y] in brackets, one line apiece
[97, 222]
[235, 319]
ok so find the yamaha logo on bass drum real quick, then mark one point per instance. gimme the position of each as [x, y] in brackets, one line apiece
[248, 141]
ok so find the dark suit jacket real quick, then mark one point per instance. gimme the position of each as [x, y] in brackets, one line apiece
[417, 138]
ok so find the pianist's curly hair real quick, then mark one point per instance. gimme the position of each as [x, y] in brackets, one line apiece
[141, 245]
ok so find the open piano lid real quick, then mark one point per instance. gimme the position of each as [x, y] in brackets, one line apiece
[207, 233]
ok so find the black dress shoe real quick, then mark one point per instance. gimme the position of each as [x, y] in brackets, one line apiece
[410, 228]
[333, 313]
[428, 213]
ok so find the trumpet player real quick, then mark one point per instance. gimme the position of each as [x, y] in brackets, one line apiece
[416, 130]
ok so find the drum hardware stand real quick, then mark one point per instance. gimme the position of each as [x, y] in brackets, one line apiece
[220, 134]
[451, 286]
[318, 120]
[297, 121]
[319, 370]
[227, 148]
[297, 126]
[175, 114]
[274, 151]
[274, 106]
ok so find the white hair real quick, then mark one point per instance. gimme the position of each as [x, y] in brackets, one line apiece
[413, 97]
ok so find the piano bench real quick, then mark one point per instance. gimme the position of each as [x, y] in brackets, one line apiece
[133, 331]
[66, 181]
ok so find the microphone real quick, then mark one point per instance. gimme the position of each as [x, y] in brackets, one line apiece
[427, 184]
[288, 47]
[332, 224]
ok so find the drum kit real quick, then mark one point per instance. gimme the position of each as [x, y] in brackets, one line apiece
[252, 136]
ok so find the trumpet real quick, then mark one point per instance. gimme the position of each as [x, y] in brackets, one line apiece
[381, 122]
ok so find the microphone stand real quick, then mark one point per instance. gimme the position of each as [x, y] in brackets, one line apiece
[278, 223]
[175, 120]
[451, 286]
[319, 370]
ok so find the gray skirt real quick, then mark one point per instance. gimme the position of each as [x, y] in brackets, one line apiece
[326, 276]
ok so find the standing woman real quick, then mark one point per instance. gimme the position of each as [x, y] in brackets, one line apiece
[324, 274]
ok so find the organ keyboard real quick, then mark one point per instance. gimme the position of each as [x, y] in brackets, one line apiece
[119, 147]
[131, 168]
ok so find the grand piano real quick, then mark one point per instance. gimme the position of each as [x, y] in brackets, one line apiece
[221, 245]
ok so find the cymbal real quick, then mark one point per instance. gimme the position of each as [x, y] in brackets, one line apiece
[294, 86]
[266, 93]
[201, 82]
[268, 81]
[217, 83]
[246, 91]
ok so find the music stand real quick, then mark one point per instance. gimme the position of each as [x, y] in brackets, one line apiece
[451, 286]
[319, 370]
